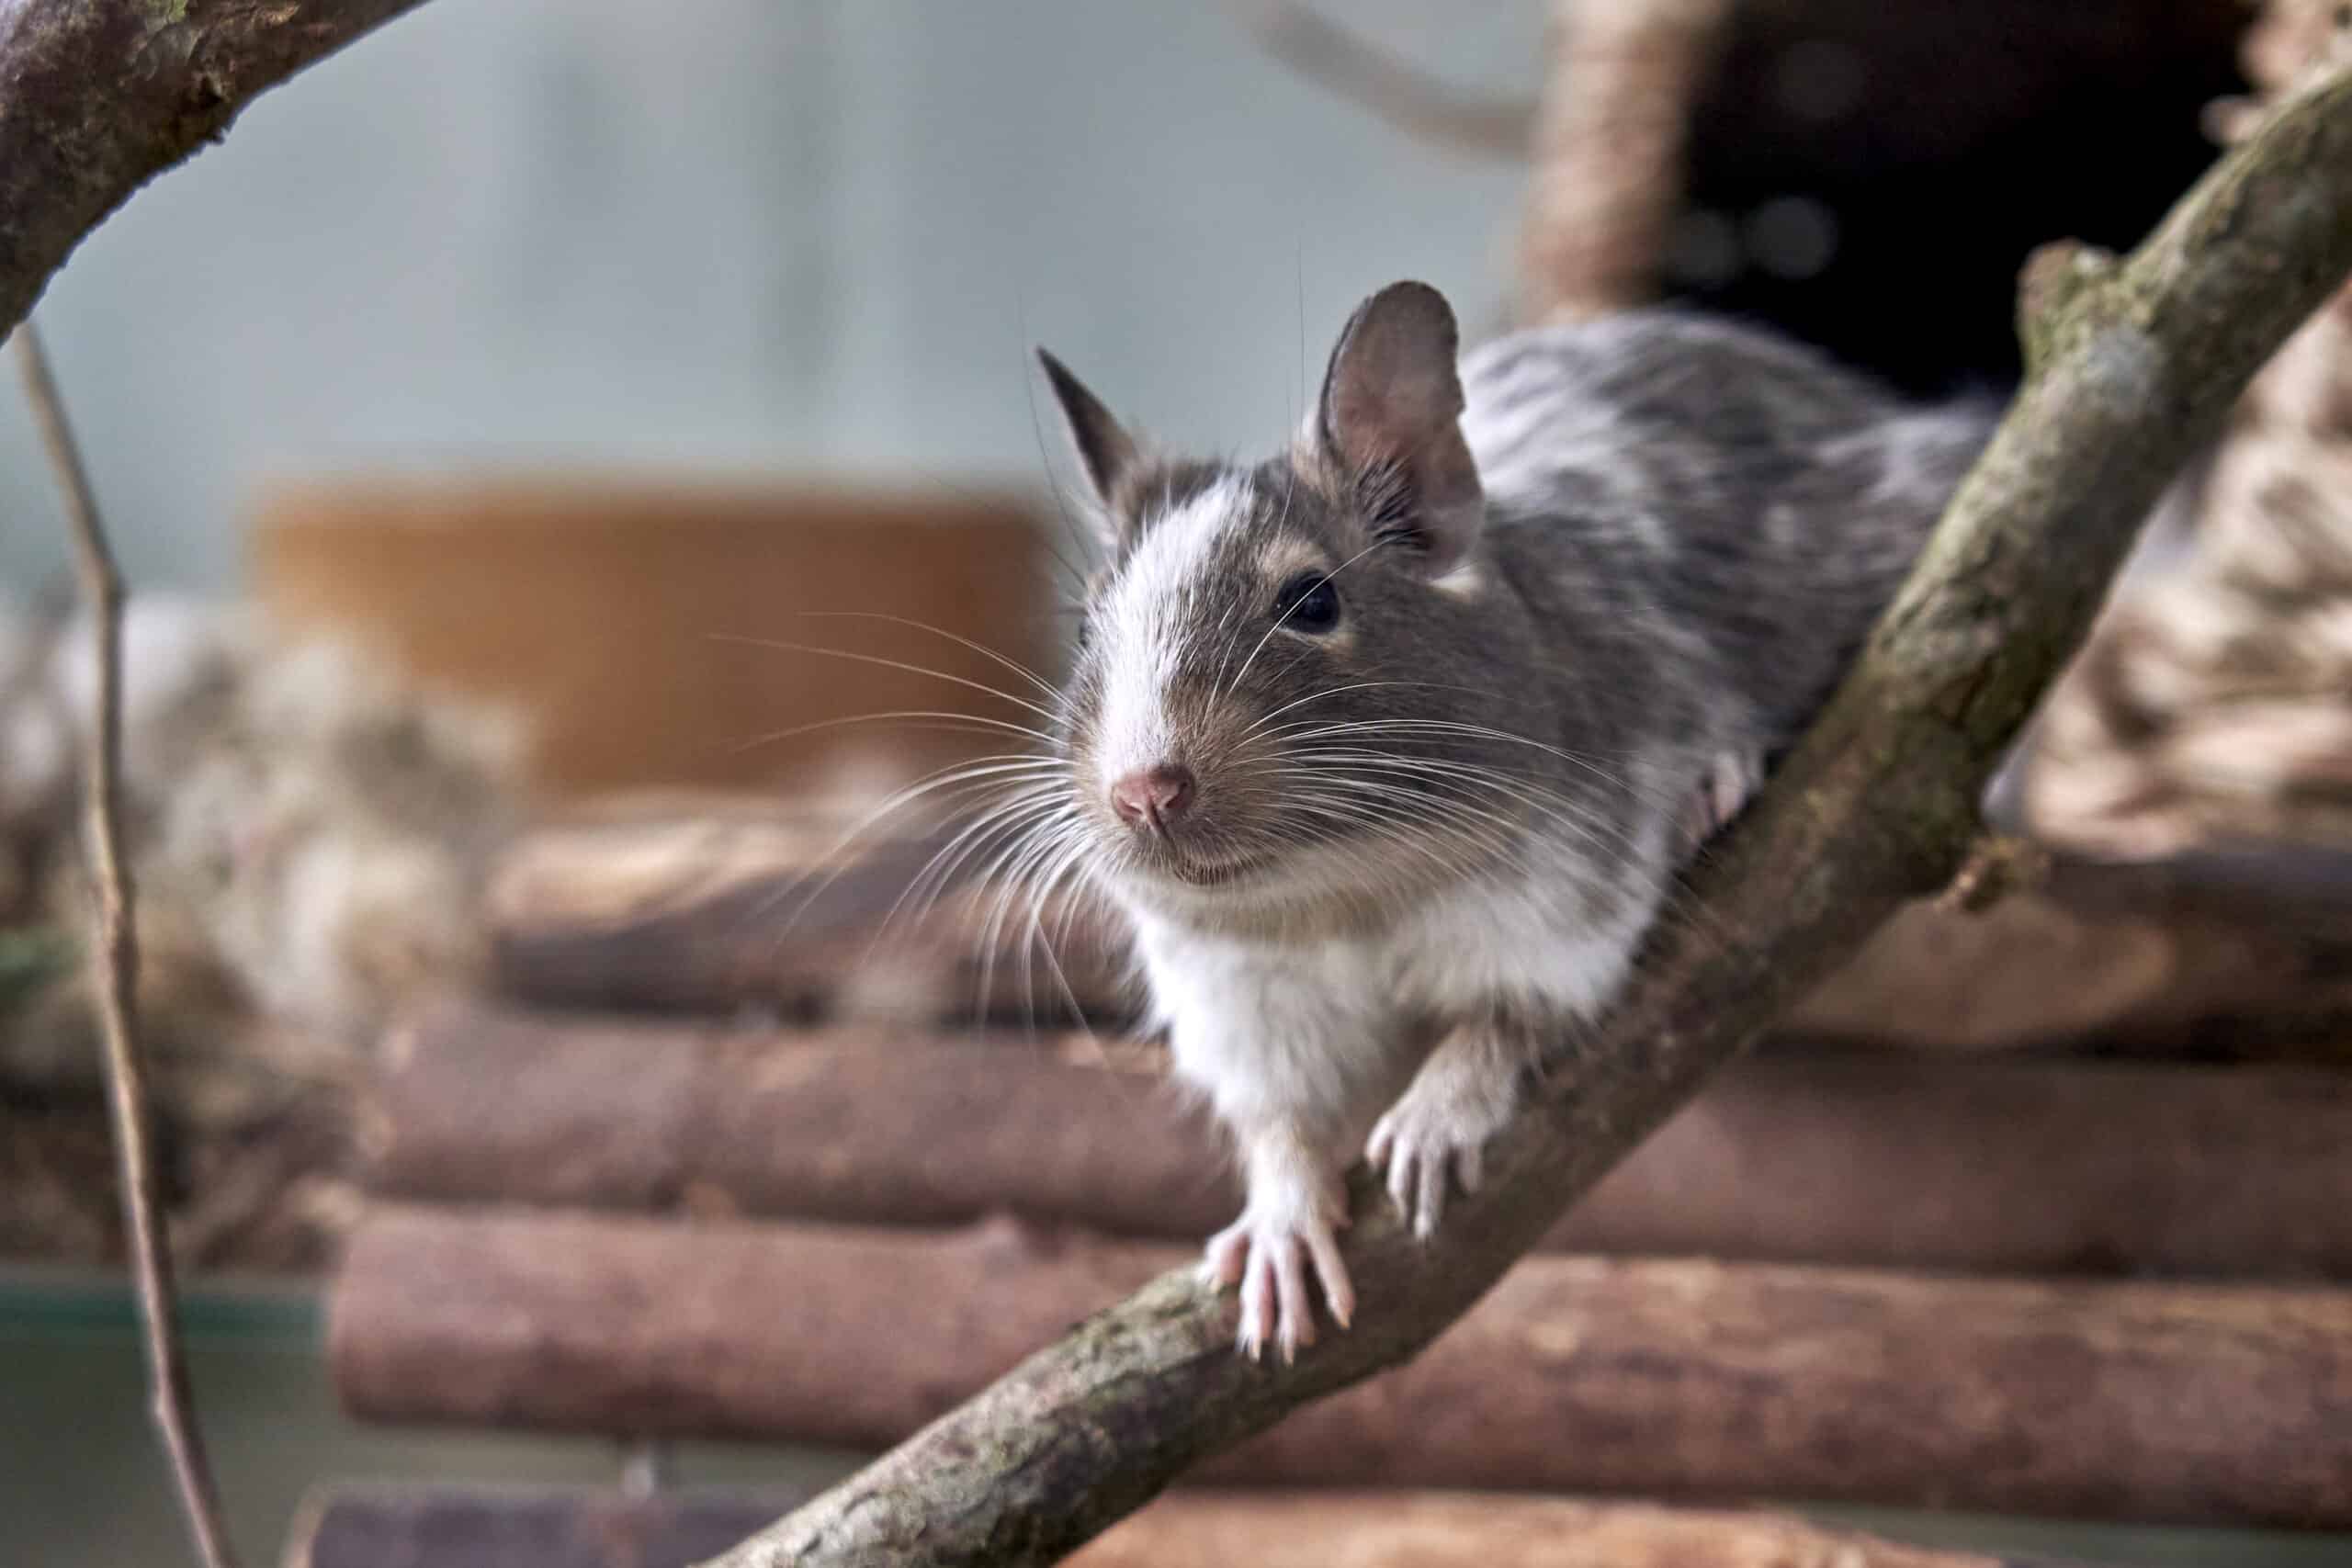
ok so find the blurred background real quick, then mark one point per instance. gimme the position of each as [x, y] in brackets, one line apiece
[544, 437]
[778, 238]
[763, 238]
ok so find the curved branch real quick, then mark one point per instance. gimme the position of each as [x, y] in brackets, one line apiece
[96, 96]
[2131, 367]
[1328, 54]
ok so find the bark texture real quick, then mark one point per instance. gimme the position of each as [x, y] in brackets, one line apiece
[2018, 1167]
[2131, 365]
[1680, 1379]
[97, 96]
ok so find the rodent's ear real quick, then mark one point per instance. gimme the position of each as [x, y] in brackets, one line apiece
[1106, 450]
[1390, 423]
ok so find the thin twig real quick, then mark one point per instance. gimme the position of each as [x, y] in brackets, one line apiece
[114, 946]
[1328, 54]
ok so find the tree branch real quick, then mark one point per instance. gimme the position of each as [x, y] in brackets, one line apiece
[2131, 366]
[96, 96]
[113, 961]
[1328, 54]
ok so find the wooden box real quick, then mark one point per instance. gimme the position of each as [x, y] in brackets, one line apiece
[640, 625]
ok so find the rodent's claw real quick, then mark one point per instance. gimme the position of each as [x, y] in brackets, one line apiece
[1332, 1270]
[1436, 1132]
[1270, 1263]
[1227, 1255]
[1419, 1169]
[1732, 780]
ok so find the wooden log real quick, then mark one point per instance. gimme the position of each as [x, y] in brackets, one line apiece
[419, 1527]
[885, 1126]
[2018, 1166]
[2237, 956]
[1458, 1530]
[2224, 957]
[2131, 1401]
[807, 913]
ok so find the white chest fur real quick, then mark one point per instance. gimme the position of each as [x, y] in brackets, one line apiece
[1328, 1029]
[1536, 938]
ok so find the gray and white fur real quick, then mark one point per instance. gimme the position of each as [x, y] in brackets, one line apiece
[1393, 746]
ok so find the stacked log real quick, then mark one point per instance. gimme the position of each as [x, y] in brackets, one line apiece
[1964, 1276]
[377, 1528]
[1851, 1158]
[2120, 1400]
[2237, 955]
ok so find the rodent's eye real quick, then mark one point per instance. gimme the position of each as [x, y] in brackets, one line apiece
[1307, 603]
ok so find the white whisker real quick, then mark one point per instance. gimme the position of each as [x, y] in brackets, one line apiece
[774, 645]
[1014, 665]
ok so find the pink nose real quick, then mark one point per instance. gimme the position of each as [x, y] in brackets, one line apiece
[1153, 796]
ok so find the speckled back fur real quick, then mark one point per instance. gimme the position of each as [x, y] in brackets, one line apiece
[1720, 515]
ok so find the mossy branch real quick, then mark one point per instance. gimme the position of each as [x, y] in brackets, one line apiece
[2133, 365]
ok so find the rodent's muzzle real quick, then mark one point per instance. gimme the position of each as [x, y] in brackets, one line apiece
[1152, 800]
[1167, 832]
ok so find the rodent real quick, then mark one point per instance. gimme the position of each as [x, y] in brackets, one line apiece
[1392, 747]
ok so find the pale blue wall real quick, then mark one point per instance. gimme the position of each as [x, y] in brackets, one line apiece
[760, 232]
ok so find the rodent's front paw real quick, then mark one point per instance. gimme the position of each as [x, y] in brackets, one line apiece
[1460, 1099]
[1261, 1252]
